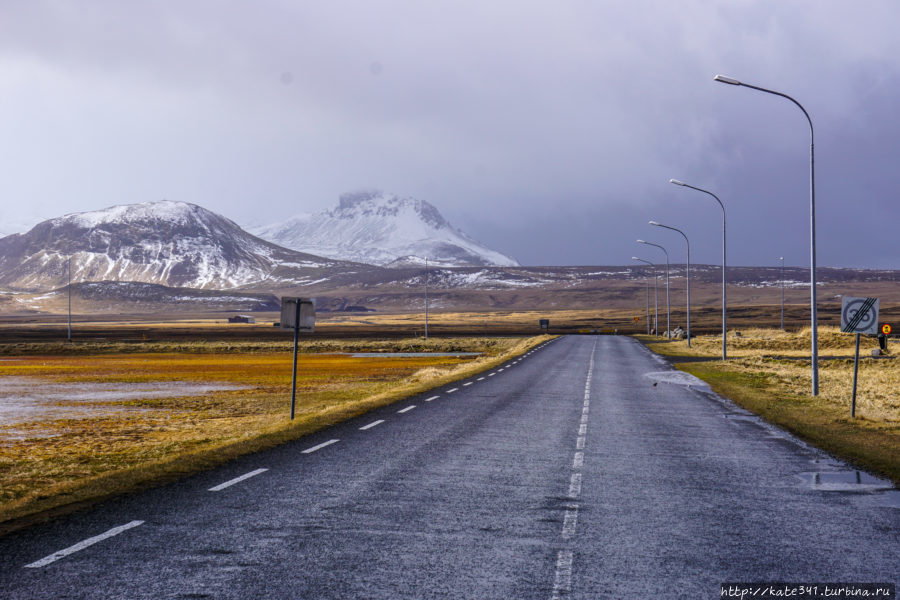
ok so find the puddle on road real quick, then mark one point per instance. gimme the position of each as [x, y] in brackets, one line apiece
[677, 378]
[845, 481]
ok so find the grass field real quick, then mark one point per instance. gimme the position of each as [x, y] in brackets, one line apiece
[114, 438]
[769, 372]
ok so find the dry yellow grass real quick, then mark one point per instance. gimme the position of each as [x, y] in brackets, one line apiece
[48, 464]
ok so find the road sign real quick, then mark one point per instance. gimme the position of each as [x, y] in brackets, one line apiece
[636, 319]
[886, 329]
[859, 315]
[289, 314]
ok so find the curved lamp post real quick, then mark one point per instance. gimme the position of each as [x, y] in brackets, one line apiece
[668, 311]
[814, 351]
[688, 273]
[655, 297]
[724, 297]
[426, 297]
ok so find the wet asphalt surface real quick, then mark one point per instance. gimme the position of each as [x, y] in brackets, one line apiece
[567, 474]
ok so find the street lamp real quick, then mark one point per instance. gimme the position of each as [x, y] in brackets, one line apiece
[814, 350]
[781, 258]
[426, 297]
[688, 273]
[724, 300]
[668, 311]
[69, 290]
[655, 297]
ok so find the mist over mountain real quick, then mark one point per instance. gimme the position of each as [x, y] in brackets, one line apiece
[382, 229]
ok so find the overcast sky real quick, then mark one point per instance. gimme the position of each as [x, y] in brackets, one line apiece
[547, 130]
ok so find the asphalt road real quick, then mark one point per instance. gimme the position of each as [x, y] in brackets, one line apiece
[566, 474]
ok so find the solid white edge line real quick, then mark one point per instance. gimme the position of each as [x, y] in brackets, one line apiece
[432, 398]
[82, 545]
[407, 409]
[371, 425]
[231, 482]
[320, 446]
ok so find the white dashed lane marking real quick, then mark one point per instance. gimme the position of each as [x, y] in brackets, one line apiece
[82, 545]
[371, 425]
[407, 409]
[320, 446]
[468, 383]
[432, 398]
[231, 482]
[452, 390]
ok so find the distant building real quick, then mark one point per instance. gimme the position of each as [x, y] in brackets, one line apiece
[241, 319]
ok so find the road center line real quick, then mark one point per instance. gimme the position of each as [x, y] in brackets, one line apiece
[82, 545]
[432, 398]
[231, 482]
[579, 443]
[562, 581]
[570, 521]
[407, 409]
[480, 379]
[320, 446]
[491, 374]
[371, 425]
[584, 419]
[453, 390]
[468, 383]
[582, 429]
[575, 486]
[578, 461]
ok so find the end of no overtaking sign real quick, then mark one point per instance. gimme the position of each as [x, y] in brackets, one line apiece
[859, 315]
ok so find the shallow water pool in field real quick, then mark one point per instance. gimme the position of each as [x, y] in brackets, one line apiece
[31, 399]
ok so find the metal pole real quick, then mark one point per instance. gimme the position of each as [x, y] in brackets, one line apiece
[656, 304]
[647, 284]
[69, 287]
[655, 293]
[426, 297]
[687, 272]
[294, 375]
[813, 310]
[668, 310]
[724, 268]
[855, 369]
[782, 292]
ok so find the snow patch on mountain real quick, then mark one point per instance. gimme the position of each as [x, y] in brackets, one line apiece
[382, 229]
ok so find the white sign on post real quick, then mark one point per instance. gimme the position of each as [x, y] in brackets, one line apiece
[289, 314]
[859, 315]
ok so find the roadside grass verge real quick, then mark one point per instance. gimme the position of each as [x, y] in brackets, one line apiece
[58, 466]
[766, 374]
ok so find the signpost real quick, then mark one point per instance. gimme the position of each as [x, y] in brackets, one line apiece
[858, 315]
[298, 314]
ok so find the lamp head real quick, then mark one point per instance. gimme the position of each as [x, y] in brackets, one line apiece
[635, 258]
[727, 80]
[655, 223]
[641, 242]
[676, 182]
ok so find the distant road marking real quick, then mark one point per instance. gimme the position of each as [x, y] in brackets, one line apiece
[582, 429]
[451, 391]
[492, 374]
[570, 521]
[585, 410]
[371, 425]
[499, 370]
[231, 482]
[578, 461]
[562, 582]
[579, 443]
[432, 398]
[82, 545]
[480, 379]
[407, 409]
[468, 383]
[584, 419]
[320, 446]
[575, 486]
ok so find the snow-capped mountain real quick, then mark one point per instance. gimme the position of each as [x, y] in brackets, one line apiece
[168, 243]
[381, 229]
